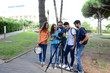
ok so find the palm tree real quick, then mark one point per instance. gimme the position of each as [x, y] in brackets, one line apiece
[61, 9]
[54, 1]
[42, 17]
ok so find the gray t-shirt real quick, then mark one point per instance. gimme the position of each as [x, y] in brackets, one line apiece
[71, 32]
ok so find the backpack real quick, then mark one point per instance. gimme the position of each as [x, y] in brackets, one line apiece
[84, 38]
[71, 31]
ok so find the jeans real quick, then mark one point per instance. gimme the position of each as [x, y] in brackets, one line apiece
[80, 49]
[44, 47]
[52, 50]
[68, 49]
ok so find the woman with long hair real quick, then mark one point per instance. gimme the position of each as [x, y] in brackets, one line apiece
[42, 42]
[54, 43]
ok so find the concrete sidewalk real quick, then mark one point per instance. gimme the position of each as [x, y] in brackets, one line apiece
[10, 34]
[29, 63]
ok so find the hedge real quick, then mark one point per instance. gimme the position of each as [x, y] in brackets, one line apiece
[11, 25]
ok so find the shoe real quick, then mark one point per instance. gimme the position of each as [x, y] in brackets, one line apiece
[64, 66]
[41, 64]
[60, 65]
[80, 72]
[50, 67]
[55, 67]
[69, 68]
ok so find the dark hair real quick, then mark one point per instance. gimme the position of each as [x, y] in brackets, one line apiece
[52, 29]
[44, 26]
[77, 21]
[60, 22]
[66, 23]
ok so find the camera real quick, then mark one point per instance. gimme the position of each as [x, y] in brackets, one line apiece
[60, 34]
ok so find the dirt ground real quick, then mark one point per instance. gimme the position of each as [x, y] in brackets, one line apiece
[95, 58]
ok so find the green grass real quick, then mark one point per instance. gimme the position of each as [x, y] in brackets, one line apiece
[104, 35]
[20, 43]
[103, 64]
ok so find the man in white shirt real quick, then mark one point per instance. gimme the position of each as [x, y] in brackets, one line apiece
[70, 45]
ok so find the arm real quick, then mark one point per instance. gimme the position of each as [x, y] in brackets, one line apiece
[85, 39]
[74, 42]
[50, 37]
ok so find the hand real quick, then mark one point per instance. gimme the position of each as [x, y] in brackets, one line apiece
[81, 42]
[72, 48]
[37, 45]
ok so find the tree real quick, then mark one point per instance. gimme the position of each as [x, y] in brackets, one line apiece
[108, 26]
[42, 17]
[56, 14]
[61, 9]
[97, 9]
[86, 25]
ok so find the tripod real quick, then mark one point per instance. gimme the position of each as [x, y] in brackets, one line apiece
[62, 52]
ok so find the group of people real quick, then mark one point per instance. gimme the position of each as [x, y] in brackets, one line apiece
[75, 39]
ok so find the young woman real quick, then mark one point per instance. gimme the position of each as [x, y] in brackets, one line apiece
[42, 42]
[54, 43]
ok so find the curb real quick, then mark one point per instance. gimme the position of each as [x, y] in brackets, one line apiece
[17, 56]
[1, 61]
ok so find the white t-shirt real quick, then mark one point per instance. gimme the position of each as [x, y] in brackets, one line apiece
[71, 32]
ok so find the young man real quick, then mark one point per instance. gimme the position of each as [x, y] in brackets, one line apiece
[82, 37]
[70, 45]
[62, 29]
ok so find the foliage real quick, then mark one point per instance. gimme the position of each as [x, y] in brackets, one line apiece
[108, 27]
[11, 25]
[86, 25]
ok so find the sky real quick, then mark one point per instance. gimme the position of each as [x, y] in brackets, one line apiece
[71, 10]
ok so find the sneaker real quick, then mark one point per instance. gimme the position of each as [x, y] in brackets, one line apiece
[55, 67]
[69, 68]
[60, 65]
[80, 72]
[64, 66]
[50, 67]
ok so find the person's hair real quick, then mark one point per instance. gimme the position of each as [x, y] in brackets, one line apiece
[44, 26]
[60, 22]
[77, 22]
[66, 23]
[52, 29]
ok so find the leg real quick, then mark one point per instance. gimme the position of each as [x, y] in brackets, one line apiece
[40, 55]
[44, 52]
[66, 53]
[80, 49]
[52, 52]
[72, 56]
[57, 53]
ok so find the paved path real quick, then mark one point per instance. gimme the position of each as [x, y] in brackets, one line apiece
[10, 34]
[28, 63]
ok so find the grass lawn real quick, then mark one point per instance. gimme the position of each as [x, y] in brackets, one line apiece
[17, 44]
[104, 35]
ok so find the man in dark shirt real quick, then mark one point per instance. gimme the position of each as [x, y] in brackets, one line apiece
[62, 29]
[82, 37]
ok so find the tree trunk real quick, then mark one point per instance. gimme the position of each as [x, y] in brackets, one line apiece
[55, 11]
[61, 9]
[99, 23]
[42, 17]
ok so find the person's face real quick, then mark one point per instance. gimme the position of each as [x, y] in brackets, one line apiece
[60, 25]
[47, 26]
[55, 27]
[66, 27]
[77, 25]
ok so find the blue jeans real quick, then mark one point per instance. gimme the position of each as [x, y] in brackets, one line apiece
[52, 50]
[68, 49]
[80, 49]
[44, 47]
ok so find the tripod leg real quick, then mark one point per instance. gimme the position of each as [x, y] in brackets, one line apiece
[51, 58]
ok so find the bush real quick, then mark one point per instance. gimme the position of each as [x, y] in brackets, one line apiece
[11, 25]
